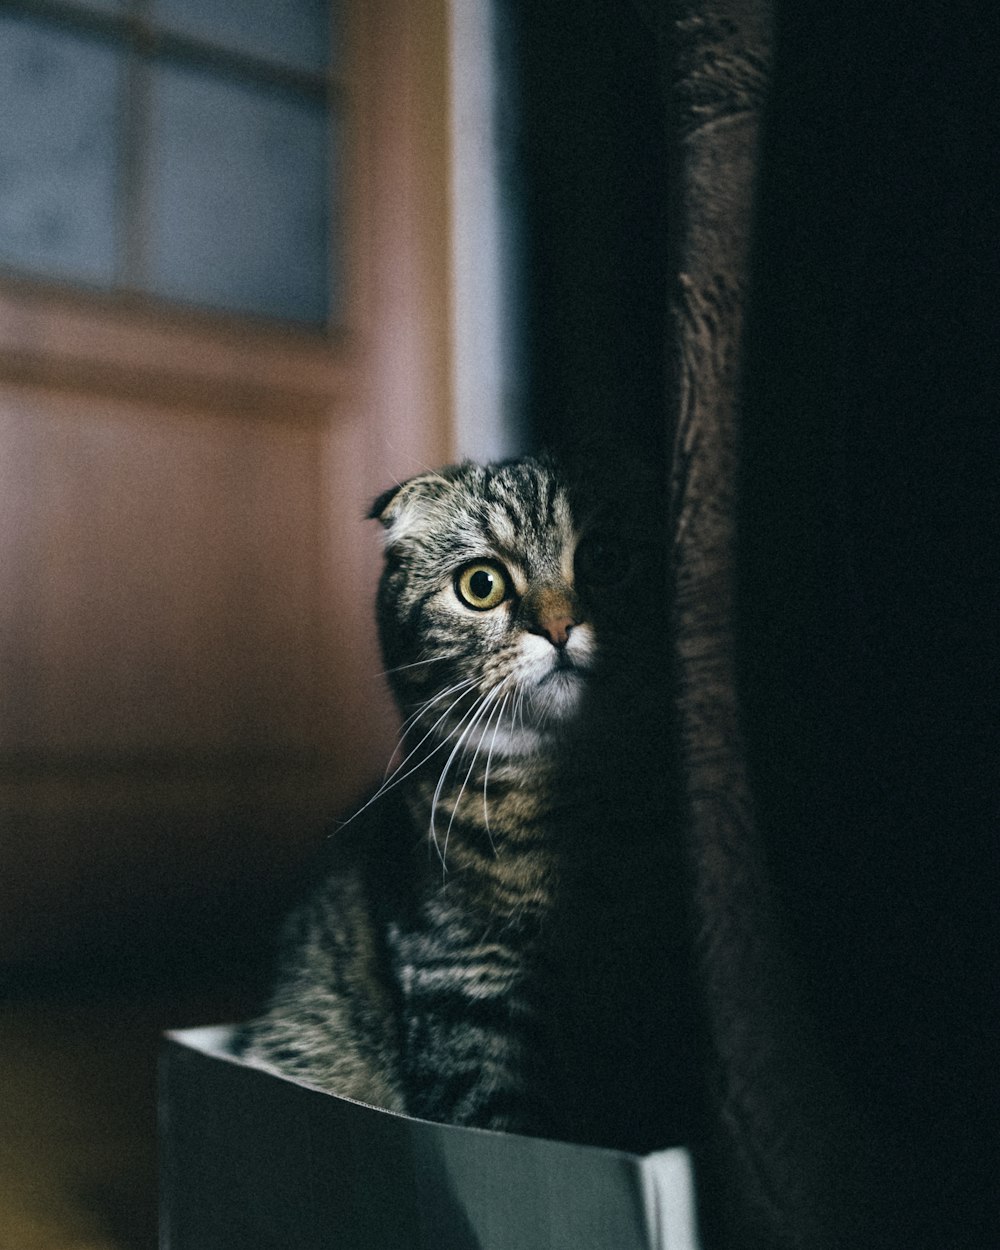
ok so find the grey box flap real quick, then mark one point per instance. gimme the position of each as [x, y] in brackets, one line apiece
[254, 1161]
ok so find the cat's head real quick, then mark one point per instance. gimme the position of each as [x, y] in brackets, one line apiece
[505, 593]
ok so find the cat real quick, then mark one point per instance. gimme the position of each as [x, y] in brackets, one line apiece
[499, 940]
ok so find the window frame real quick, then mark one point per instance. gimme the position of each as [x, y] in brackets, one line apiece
[122, 341]
[24, 292]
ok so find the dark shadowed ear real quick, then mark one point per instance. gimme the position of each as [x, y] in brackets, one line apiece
[379, 510]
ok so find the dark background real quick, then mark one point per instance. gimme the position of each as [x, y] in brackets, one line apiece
[869, 544]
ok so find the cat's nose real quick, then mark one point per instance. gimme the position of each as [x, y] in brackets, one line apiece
[555, 628]
[551, 612]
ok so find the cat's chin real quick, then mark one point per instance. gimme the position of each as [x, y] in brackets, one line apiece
[560, 690]
[545, 710]
[555, 700]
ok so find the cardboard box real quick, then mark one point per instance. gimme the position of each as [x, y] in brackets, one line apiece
[251, 1161]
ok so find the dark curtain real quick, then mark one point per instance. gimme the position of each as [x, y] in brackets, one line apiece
[585, 150]
[868, 564]
[868, 552]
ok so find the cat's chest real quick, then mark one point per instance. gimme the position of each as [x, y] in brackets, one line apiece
[467, 944]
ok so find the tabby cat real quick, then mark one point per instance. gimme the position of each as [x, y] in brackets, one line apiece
[499, 938]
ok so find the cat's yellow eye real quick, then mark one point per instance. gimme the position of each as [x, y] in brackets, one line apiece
[481, 585]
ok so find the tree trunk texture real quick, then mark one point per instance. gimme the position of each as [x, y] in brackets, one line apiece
[782, 1177]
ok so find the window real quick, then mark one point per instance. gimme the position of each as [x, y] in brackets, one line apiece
[178, 149]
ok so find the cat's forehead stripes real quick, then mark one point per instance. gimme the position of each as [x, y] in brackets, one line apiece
[517, 512]
[527, 520]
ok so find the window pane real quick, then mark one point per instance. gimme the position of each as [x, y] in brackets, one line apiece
[238, 193]
[58, 152]
[294, 32]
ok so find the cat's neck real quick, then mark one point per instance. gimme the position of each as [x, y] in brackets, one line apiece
[497, 801]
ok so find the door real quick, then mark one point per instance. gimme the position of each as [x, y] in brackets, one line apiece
[223, 329]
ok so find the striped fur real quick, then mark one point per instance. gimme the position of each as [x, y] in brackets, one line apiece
[474, 944]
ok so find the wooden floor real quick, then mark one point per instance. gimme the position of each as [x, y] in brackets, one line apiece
[78, 1117]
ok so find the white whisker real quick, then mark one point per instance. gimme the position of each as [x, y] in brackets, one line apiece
[397, 776]
[434, 659]
[486, 775]
[488, 701]
[460, 734]
[414, 717]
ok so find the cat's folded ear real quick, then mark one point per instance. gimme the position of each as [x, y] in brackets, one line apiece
[382, 508]
[399, 508]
